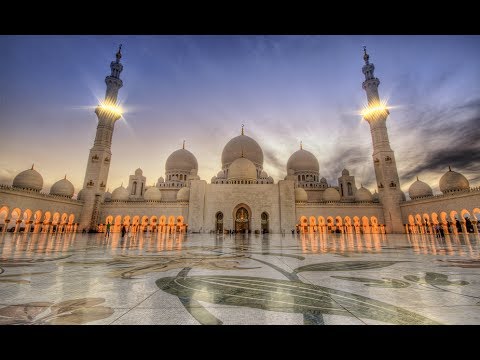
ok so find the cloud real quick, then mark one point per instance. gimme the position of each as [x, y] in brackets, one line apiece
[452, 135]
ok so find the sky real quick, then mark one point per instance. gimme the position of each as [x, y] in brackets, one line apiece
[201, 89]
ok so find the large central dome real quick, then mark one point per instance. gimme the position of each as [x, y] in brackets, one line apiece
[303, 160]
[242, 144]
[182, 160]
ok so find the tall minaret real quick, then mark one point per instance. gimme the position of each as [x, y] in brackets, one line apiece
[386, 173]
[100, 155]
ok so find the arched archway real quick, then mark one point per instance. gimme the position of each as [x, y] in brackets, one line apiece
[219, 222]
[466, 219]
[15, 217]
[241, 218]
[3, 217]
[265, 222]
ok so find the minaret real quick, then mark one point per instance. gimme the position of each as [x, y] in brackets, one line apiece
[100, 156]
[386, 173]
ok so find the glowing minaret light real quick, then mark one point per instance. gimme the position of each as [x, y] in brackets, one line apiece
[386, 173]
[98, 164]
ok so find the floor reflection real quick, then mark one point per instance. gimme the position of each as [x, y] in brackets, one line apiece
[25, 245]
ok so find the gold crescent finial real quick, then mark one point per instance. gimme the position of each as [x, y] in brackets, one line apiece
[119, 53]
[183, 144]
[32, 166]
[365, 55]
[301, 146]
[449, 169]
[65, 178]
[242, 128]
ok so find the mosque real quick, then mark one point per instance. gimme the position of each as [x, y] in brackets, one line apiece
[241, 197]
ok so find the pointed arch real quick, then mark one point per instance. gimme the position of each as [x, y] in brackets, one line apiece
[338, 221]
[46, 217]
[476, 213]
[365, 221]
[56, 218]
[27, 214]
[64, 218]
[163, 220]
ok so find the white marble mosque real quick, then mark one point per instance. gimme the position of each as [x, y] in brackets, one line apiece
[241, 197]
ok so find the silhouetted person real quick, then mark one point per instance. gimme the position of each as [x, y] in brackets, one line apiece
[441, 231]
[124, 230]
[108, 230]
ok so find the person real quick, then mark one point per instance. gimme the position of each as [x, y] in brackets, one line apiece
[124, 230]
[442, 232]
[108, 230]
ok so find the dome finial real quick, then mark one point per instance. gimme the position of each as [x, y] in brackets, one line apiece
[122, 184]
[242, 128]
[361, 185]
[119, 53]
[301, 147]
[417, 178]
[32, 166]
[365, 55]
[65, 178]
[183, 144]
[449, 169]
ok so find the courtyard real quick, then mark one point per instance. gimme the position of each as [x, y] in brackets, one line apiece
[254, 279]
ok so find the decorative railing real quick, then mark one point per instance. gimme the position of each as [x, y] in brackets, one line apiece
[338, 203]
[37, 193]
[448, 194]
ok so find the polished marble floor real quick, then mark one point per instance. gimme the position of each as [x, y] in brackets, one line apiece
[237, 279]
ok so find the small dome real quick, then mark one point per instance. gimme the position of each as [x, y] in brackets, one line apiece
[107, 196]
[182, 160]
[375, 197]
[263, 175]
[160, 180]
[323, 180]
[221, 175]
[303, 160]
[242, 169]
[120, 194]
[138, 172]
[152, 194]
[62, 187]
[79, 195]
[213, 179]
[270, 179]
[300, 194]
[29, 179]
[345, 172]
[419, 189]
[363, 194]
[245, 145]
[183, 194]
[453, 181]
[331, 194]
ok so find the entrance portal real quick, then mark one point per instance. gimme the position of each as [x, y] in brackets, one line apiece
[264, 223]
[241, 220]
[219, 226]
